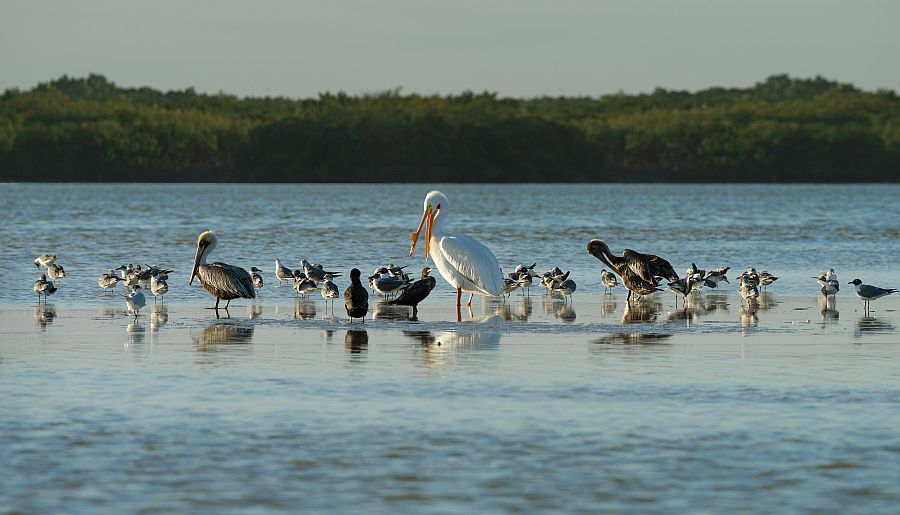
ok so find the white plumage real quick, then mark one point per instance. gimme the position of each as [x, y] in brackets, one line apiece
[462, 261]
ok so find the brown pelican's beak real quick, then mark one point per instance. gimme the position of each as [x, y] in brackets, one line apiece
[414, 236]
[200, 247]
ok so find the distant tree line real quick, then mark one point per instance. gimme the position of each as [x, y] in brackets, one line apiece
[782, 129]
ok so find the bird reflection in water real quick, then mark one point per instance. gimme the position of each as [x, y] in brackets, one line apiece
[383, 311]
[134, 333]
[641, 311]
[521, 311]
[438, 349]
[716, 302]
[748, 315]
[830, 314]
[558, 307]
[766, 301]
[632, 339]
[44, 315]
[304, 309]
[254, 310]
[869, 325]
[328, 335]
[357, 343]
[608, 305]
[223, 333]
[159, 316]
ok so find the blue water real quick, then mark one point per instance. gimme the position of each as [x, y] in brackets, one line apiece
[793, 231]
[533, 404]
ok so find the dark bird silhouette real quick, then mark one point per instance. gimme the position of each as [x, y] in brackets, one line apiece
[640, 273]
[416, 292]
[356, 298]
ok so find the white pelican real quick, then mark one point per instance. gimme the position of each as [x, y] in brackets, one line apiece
[462, 261]
[218, 279]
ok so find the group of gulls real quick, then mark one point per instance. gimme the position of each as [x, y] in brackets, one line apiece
[465, 263]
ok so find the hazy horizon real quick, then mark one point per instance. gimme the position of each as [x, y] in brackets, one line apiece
[517, 49]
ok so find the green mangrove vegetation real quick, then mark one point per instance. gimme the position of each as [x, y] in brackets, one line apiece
[781, 129]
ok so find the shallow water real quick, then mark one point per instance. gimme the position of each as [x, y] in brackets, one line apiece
[535, 403]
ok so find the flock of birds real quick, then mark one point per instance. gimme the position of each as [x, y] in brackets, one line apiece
[464, 262]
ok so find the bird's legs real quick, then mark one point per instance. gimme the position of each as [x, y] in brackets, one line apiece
[226, 304]
[458, 296]
[469, 304]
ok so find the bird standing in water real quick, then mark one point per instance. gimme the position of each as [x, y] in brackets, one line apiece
[222, 281]
[356, 297]
[416, 292]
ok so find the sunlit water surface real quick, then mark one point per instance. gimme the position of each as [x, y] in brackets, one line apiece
[535, 403]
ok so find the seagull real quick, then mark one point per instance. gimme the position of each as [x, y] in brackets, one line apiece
[714, 277]
[303, 285]
[567, 287]
[282, 272]
[356, 298]
[158, 287]
[683, 286]
[329, 291]
[510, 285]
[829, 282]
[386, 284]
[765, 279]
[463, 261]
[108, 280]
[220, 280]
[316, 272]
[747, 289]
[44, 260]
[750, 277]
[256, 276]
[135, 300]
[44, 287]
[869, 293]
[56, 271]
[640, 273]
[416, 292]
[608, 280]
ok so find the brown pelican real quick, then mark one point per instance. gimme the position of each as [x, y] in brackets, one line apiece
[44, 260]
[356, 298]
[218, 279]
[416, 292]
[640, 273]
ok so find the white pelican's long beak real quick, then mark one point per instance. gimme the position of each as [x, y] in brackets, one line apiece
[414, 236]
[429, 226]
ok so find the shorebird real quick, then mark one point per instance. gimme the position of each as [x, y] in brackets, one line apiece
[44, 260]
[509, 285]
[256, 276]
[282, 272]
[329, 291]
[135, 300]
[683, 286]
[716, 276]
[387, 284]
[748, 290]
[158, 287]
[220, 280]
[356, 298]
[829, 283]
[56, 271]
[765, 279]
[416, 292]
[640, 273]
[869, 293]
[567, 287]
[750, 277]
[44, 287]
[608, 280]
[316, 272]
[108, 280]
[463, 261]
[303, 285]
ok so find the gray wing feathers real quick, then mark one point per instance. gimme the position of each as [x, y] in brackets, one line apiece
[230, 279]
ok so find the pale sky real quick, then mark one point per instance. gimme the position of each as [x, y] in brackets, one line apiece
[517, 48]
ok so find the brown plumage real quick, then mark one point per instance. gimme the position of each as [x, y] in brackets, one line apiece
[640, 273]
[417, 291]
[356, 297]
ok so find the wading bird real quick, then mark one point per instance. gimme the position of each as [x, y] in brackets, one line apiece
[135, 300]
[356, 298]
[108, 280]
[44, 287]
[462, 260]
[868, 293]
[416, 292]
[256, 275]
[608, 280]
[222, 281]
[640, 273]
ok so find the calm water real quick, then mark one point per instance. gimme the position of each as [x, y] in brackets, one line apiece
[533, 404]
